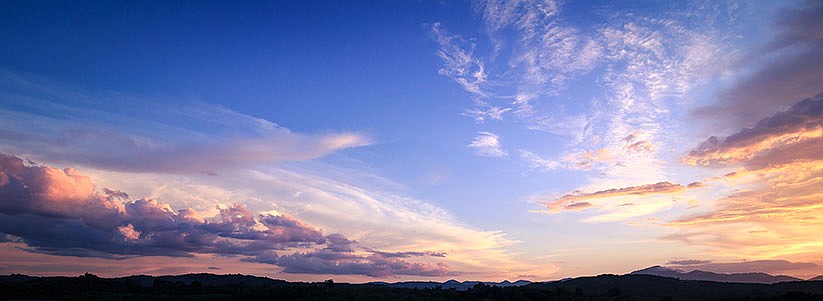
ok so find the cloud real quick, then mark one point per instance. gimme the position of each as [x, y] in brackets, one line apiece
[487, 144]
[634, 144]
[688, 262]
[794, 72]
[771, 204]
[536, 162]
[752, 266]
[571, 200]
[618, 204]
[155, 136]
[585, 160]
[58, 211]
[341, 262]
[695, 185]
[460, 64]
[574, 206]
[481, 114]
[791, 135]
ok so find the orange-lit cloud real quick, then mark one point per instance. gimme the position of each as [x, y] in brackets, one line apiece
[587, 159]
[775, 201]
[793, 135]
[634, 144]
[578, 201]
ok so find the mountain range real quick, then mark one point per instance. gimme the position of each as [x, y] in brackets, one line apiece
[451, 284]
[633, 286]
[717, 277]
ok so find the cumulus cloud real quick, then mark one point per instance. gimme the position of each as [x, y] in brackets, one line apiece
[487, 144]
[58, 211]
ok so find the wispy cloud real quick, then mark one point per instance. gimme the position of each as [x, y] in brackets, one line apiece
[537, 162]
[196, 137]
[662, 187]
[460, 64]
[643, 65]
[487, 144]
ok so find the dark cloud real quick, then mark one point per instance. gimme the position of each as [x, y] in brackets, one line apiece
[115, 194]
[578, 205]
[795, 73]
[57, 211]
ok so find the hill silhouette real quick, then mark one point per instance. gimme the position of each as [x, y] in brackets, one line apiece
[711, 276]
[462, 286]
[242, 287]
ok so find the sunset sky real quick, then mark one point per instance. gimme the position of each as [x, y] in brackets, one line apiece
[411, 140]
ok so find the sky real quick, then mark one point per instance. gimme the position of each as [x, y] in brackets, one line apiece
[411, 140]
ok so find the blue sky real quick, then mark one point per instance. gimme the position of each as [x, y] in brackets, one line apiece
[471, 140]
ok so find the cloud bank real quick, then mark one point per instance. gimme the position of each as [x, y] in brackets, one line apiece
[58, 211]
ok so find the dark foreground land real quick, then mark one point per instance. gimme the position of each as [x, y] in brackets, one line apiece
[239, 287]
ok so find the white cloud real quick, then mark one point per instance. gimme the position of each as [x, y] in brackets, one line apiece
[487, 144]
[459, 62]
[644, 66]
[537, 162]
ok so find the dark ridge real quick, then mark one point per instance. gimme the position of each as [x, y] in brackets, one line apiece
[711, 276]
[243, 287]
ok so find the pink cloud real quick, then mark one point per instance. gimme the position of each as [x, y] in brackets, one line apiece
[58, 211]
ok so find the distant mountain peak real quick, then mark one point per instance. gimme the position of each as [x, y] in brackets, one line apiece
[712, 276]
